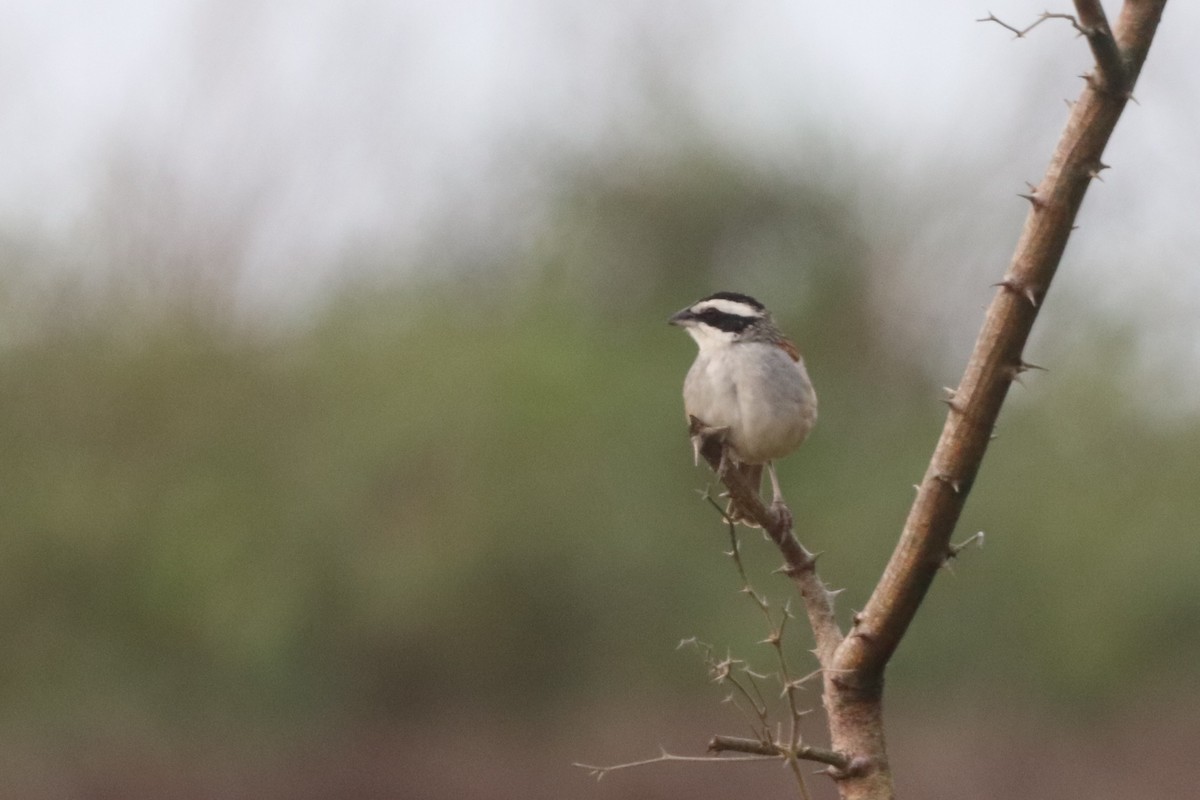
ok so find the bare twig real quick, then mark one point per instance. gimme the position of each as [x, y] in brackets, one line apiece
[732, 744]
[1019, 33]
[775, 635]
[1089, 20]
[799, 564]
[599, 772]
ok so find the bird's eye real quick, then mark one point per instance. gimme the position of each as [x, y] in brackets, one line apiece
[723, 321]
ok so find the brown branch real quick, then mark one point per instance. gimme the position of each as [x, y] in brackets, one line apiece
[996, 361]
[799, 564]
[735, 744]
[1094, 25]
[1091, 23]
[852, 664]
[854, 679]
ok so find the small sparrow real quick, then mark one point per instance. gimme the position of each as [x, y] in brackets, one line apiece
[748, 384]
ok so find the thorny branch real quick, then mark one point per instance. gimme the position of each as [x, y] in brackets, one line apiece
[769, 739]
[799, 564]
[732, 744]
[852, 664]
[1090, 21]
[1019, 33]
[997, 358]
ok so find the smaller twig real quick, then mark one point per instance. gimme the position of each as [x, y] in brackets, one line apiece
[776, 522]
[953, 550]
[733, 744]
[775, 639]
[1092, 24]
[721, 671]
[1019, 33]
[599, 772]
[974, 539]
[1082, 31]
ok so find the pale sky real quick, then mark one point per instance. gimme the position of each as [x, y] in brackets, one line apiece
[308, 132]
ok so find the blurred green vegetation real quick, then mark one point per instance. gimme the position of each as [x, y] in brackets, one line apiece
[450, 492]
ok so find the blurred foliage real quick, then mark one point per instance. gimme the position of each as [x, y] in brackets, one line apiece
[445, 493]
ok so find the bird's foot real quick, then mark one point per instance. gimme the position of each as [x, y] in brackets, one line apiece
[782, 513]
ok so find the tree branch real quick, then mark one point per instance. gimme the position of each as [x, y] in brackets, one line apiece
[1094, 25]
[1091, 23]
[997, 358]
[736, 744]
[852, 664]
[799, 564]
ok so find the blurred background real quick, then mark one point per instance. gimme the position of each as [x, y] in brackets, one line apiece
[342, 453]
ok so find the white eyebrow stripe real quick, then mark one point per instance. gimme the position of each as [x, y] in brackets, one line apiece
[734, 307]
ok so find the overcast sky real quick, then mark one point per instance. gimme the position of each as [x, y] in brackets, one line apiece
[306, 132]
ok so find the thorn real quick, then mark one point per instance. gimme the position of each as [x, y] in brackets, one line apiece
[832, 593]
[917, 486]
[954, 549]
[1025, 366]
[952, 482]
[858, 617]
[1034, 200]
[1070, 103]
[1013, 286]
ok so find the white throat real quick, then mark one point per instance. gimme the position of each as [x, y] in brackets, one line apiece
[709, 338]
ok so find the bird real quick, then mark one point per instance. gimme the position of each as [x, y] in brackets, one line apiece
[748, 385]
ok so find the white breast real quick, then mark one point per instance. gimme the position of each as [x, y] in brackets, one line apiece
[757, 391]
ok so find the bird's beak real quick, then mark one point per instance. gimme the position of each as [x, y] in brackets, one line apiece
[683, 319]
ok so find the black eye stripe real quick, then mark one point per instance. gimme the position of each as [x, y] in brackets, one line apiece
[721, 320]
